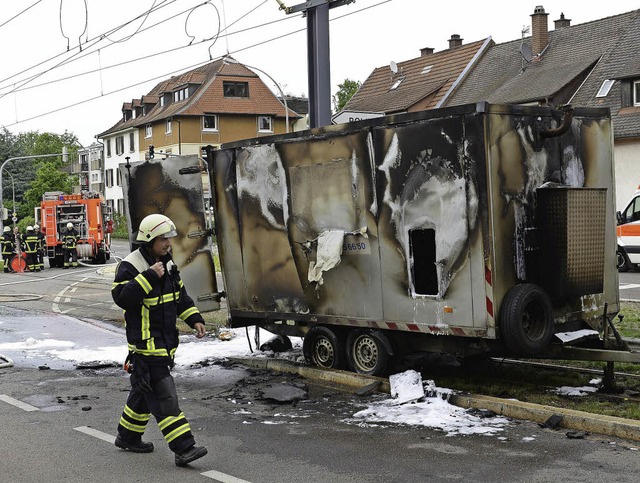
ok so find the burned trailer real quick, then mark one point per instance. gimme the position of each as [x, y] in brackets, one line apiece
[474, 229]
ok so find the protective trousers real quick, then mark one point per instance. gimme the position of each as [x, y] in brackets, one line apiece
[162, 403]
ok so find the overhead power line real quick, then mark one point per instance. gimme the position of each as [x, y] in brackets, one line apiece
[183, 69]
[18, 14]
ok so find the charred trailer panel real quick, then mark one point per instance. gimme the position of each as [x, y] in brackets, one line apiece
[464, 230]
[173, 187]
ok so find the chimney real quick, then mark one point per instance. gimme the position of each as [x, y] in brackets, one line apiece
[455, 41]
[562, 22]
[539, 31]
[426, 51]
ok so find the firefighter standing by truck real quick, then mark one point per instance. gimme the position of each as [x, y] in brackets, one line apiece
[148, 287]
[40, 252]
[30, 243]
[70, 239]
[8, 248]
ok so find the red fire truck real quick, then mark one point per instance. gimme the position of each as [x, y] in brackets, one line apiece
[91, 217]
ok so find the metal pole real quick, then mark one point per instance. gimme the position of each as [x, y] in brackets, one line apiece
[319, 66]
[14, 159]
[13, 191]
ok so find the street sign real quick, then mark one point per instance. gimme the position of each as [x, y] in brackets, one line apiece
[14, 219]
[351, 116]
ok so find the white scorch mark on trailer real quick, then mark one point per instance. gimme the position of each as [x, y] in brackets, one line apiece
[573, 174]
[261, 176]
[439, 202]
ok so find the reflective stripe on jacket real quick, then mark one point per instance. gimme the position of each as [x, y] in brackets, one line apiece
[31, 243]
[152, 304]
[8, 245]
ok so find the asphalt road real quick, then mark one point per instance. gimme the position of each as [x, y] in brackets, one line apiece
[59, 424]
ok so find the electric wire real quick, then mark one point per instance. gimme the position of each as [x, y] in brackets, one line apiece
[98, 38]
[182, 69]
[138, 29]
[20, 13]
[23, 88]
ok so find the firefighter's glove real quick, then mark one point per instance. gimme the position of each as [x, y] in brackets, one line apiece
[140, 378]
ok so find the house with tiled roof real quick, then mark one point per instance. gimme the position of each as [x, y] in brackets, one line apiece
[425, 82]
[594, 64]
[219, 102]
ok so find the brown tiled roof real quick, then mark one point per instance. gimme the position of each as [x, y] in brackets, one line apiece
[578, 58]
[427, 78]
[208, 97]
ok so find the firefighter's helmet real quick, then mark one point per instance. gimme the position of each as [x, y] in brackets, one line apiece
[7, 229]
[29, 228]
[154, 226]
[69, 225]
[35, 227]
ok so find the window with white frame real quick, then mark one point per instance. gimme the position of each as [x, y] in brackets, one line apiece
[167, 129]
[121, 206]
[264, 124]
[605, 88]
[181, 94]
[118, 178]
[209, 122]
[162, 100]
[119, 145]
[148, 131]
[132, 142]
[636, 93]
[108, 148]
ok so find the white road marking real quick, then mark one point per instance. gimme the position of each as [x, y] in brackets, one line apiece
[222, 477]
[73, 289]
[96, 434]
[629, 285]
[18, 404]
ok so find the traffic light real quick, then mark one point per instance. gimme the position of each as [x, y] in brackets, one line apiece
[151, 151]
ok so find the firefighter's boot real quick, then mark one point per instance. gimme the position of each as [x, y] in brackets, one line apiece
[137, 447]
[192, 454]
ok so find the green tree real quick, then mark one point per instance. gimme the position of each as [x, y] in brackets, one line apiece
[346, 90]
[48, 178]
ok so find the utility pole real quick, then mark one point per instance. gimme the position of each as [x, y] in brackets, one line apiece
[318, 58]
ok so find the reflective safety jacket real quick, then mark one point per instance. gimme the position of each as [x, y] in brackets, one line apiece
[8, 244]
[31, 243]
[70, 238]
[152, 305]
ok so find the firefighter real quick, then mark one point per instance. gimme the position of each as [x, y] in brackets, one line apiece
[8, 248]
[40, 252]
[30, 244]
[69, 241]
[148, 287]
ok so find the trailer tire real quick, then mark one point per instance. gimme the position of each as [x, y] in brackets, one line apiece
[526, 319]
[367, 352]
[323, 347]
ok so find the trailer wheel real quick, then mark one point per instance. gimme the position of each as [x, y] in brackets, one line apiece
[367, 352]
[323, 347]
[526, 319]
[624, 265]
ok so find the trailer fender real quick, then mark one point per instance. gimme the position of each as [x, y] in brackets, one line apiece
[526, 319]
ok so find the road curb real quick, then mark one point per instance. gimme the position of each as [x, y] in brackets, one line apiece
[571, 419]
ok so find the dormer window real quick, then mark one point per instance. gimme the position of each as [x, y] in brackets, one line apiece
[636, 93]
[235, 89]
[161, 101]
[181, 94]
[605, 88]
